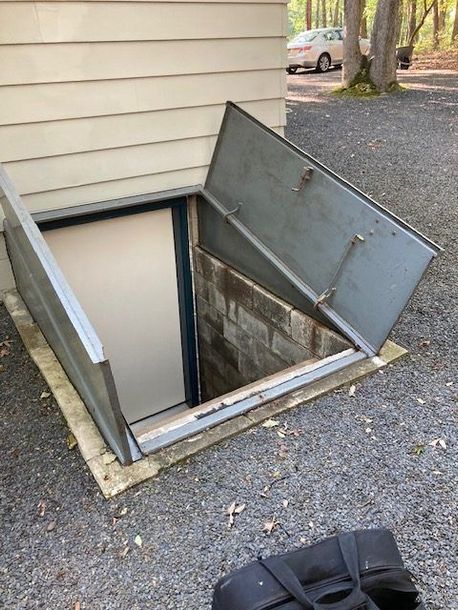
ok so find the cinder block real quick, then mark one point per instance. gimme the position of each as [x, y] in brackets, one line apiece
[210, 268]
[209, 314]
[239, 288]
[218, 343]
[201, 286]
[216, 298]
[328, 342]
[232, 310]
[264, 361]
[238, 337]
[303, 329]
[288, 350]
[277, 311]
[253, 325]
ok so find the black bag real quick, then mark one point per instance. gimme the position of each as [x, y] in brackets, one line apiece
[361, 570]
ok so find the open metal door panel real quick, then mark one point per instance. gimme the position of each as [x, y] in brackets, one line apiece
[62, 320]
[354, 261]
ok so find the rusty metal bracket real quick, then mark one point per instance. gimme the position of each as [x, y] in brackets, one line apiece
[324, 296]
[234, 211]
[305, 177]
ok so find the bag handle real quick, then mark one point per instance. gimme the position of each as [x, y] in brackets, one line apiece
[281, 571]
[356, 598]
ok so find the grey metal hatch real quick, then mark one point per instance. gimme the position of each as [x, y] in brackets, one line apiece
[353, 261]
[62, 320]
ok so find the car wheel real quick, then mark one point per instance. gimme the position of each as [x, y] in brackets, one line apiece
[323, 63]
[292, 70]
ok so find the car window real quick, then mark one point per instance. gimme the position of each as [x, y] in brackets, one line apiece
[330, 36]
[339, 34]
[305, 37]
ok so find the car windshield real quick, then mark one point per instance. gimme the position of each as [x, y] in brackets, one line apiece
[305, 37]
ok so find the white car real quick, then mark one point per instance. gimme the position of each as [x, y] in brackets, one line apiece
[319, 49]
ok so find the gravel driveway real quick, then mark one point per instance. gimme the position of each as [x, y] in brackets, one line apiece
[359, 461]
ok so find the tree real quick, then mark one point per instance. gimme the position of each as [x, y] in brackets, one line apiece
[324, 16]
[336, 19]
[436, 25]
[363, 19]
[352, 58]
[383, 44]
[308, 14]
[412, 18]
[426, 11]
[455, 25]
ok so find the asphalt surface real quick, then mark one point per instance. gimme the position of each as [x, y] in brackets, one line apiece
[354, 462]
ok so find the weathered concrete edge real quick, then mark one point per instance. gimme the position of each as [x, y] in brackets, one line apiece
[113, 478]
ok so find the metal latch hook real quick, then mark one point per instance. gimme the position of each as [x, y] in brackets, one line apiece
[324, 296]
[305, 177]
[234, 211]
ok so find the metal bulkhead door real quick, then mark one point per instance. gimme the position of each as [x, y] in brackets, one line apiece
[63, 321]
[353, 261]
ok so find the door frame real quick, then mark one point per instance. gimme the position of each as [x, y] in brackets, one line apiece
[179, 210]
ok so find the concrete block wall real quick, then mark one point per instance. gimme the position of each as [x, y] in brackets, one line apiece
[246, 333]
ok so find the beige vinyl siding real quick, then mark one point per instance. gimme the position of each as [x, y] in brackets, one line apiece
[52, 138]
[108, 99]
[35, 103]
[80, 21]
[26, 63]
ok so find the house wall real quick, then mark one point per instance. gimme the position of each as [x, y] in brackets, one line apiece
[104, 99]
[246, 333]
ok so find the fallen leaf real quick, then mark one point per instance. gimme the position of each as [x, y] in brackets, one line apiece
[44, 395]
[77, 606]
[419, 449]
[352, 390]
[421, 401]
[123, 512]
[311, 525]
[270, 423]
[281, 434]
[285, 503]
[5, 348]
[449, 383]
[41, 508]
[124, 552]
[71, 441]
[368, 430]
[302, 539]
[270, 525]
[440, 442]
[234, 509]
[138, 540]
[51, 526]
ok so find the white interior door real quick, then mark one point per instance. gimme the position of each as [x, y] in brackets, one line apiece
[123, 272]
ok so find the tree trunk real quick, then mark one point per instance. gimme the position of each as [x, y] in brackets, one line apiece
[363, 31]
[336, 20]
[421, 22]
[308, 15]
[412, 18]
[436, 25]
[324, 15]
[317, 14]
[455, 25]
[383, 44]
[352, 57]
[400, 24]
